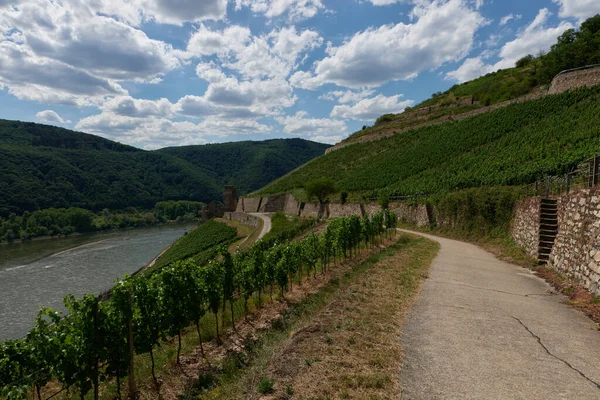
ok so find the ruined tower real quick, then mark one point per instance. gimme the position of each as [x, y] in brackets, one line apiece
[230, 198]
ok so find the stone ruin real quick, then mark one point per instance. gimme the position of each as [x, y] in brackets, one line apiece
[214, 209]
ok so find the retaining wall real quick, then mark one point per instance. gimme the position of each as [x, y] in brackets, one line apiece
[412, 214]
[525, 228]
[292, 206]
[576, 250]
[343, 210]
[575, 79]
[242, 218]
[273, 203]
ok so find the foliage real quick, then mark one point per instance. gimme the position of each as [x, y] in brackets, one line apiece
[320, 188]
[573, 49]
[510, 146]
[48, 167]
[249, 165]
[64, 221]
[524, 61]
[284, 227]
[479, 212]
[90, 344]
[204, 237]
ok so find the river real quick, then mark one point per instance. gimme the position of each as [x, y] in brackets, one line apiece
[40, 273]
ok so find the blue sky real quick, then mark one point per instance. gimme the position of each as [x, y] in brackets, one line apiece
[157, 73]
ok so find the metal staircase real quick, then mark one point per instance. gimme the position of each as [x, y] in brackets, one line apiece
[548, 229]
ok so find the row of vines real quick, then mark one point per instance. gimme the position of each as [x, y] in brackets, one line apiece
[95, 342]
[515, 145]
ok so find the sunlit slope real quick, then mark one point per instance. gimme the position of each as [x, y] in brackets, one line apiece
[510, 146]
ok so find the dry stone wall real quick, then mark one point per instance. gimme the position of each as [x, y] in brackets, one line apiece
[525, 228]
[575, 79]
[242, 218]
[576, 250]
[311, 210]
[412, 214]
[343, 210]
[251, 204]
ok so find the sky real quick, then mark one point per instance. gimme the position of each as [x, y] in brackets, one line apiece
[159, 73]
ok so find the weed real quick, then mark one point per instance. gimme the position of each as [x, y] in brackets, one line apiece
[265, 386]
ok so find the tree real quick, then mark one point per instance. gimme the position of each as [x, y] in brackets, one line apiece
[320, 188]
[525, 61]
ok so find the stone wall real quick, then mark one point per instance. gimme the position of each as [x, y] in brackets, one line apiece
[242, 218]
[335, 210]
[575, 79]
[251, 204]
[576, 250]
[525, 228]
[310, 210]
[273, 203]
[292, 206]
[412, 214]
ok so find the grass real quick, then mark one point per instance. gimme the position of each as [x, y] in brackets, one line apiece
[352, 317]
[282, 223]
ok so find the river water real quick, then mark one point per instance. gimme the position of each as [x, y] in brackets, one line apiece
[40, 273]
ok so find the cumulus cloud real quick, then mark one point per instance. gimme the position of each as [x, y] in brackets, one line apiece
[139, 108]
[51, 117]
[154, 132]
[295, 9]
[579, 9]
[270, 55]
[536, 37]
[347, 96]
[371, 108]
[66, 52]
[317, 129]
[179, 11]
[443, 32]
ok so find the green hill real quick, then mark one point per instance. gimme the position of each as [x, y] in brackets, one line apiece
[249, 165]
[45, 166]
[509, 146]
[531, 74]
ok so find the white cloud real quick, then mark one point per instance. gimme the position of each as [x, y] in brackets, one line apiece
[470, 69]
[385, 2]
[179, 11]
[347, 96]
[443, 32]
[579, 9]
[206, 42]
[506, 19]
[326, 139]
[372, 108]
[536, 37]
[66, 52]
[305, 80]
[51, 117]
[153, 132]
[271, 55]
[296, 9]
[301, 125]
[130, 107]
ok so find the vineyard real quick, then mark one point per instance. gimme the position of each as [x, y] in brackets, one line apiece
[97, 340]
[511, 146]
[203, 238]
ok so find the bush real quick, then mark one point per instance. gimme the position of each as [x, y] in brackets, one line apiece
[525, 61]
[265, 386]
[384, 118]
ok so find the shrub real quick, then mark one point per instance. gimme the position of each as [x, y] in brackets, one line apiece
[265, 386]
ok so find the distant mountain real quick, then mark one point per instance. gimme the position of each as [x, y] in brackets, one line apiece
[249, 165]
[45, 166]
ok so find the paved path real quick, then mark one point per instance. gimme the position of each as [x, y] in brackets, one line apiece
[266, 217]
[486, 329]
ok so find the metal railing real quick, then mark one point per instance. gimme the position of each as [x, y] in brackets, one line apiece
[583, 175]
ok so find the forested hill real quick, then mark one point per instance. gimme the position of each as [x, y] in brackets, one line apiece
[45, 166]
[249, 165]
